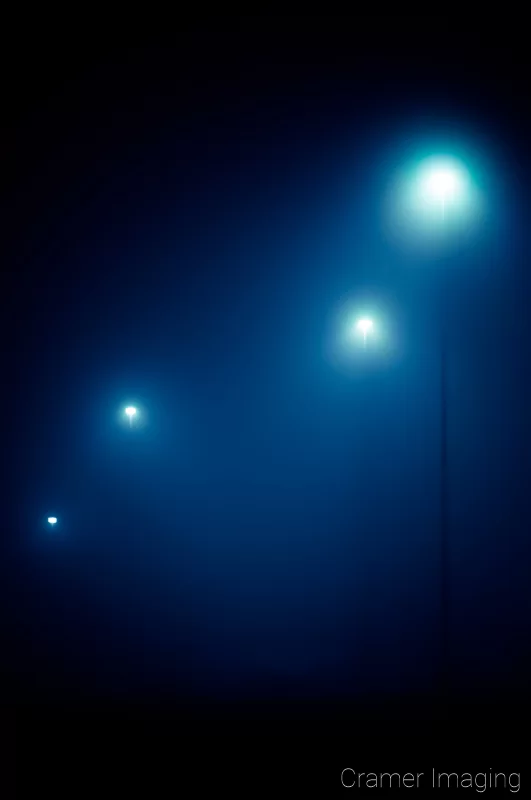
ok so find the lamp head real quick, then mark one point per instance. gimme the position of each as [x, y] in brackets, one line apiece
[364, 325]
[442, 180]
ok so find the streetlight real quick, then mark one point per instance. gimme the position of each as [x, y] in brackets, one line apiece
[362, 337]
[52, 521]
[362, 340]
[131, 413]
[364, 325]
[432, 202]
[443, 193]
[442, 182]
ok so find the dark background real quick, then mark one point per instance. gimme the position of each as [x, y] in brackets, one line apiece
[182, 221]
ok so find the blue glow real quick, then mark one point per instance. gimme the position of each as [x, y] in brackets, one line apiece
[246, 448]
[364, 325]
[434, 199]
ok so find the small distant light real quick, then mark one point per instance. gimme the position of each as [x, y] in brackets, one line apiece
[52, 520]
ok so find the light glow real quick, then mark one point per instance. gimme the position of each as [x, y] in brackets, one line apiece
[360, 336]
[131, 413]
[434, 202]
[364, 325]
[443, 182]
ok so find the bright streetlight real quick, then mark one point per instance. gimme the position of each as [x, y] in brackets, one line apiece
[443, 187]
[442, 182]
[434, 201]
[52, 521]
[444, 198]
[131, 413]
[364, 326]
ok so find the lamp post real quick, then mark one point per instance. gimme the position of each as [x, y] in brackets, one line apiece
[444, 542]
[363, 328]
[443, 189]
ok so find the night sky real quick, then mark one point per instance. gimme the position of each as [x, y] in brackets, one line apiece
[188, 226]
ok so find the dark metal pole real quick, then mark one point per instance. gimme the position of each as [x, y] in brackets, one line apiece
[444, 549]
